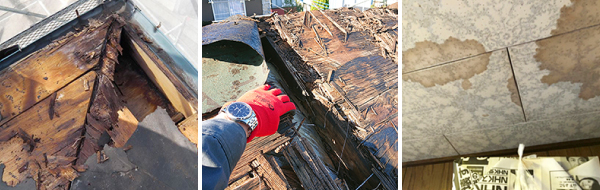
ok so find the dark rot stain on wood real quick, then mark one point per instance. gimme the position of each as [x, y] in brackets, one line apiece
[573, 57]
[361, 51]
[48, 130]
[47, 147]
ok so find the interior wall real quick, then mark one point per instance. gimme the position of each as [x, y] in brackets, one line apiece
[480, 76]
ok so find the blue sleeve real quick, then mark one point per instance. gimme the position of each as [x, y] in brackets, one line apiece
[223, 142]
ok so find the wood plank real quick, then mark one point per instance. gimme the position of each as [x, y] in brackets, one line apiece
[362, 72]
[45, 71]
[416, 181]
[310, 171]
[182, 101]
[127, 124]
[267, 172]
[407, 178]
[189, 128]
[436, 172]
[139, 94]
[403, 174]
[595, 150]
[447, 175]
[540, 153]
[51, 138]
[103, 115]
[558, 152]
[276, 168]
[320, 23]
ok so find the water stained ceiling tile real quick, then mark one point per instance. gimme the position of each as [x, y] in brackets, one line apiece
[464, 95]
[493, 24]
[559, 75]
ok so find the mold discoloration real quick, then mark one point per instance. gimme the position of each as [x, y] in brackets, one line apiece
[514, 93]
[235, 71]
[441, 75]
[580, 14]
[426, 54]
[573, 57]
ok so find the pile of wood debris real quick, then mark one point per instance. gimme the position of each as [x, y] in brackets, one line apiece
[62, 103]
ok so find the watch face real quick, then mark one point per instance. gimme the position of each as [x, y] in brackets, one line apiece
[239, 110]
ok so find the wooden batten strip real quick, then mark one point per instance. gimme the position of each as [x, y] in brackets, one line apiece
[164, 80]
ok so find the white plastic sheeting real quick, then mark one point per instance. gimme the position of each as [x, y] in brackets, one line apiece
[178, 20]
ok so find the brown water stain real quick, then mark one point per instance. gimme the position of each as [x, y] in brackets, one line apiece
[573, 57]
[466, 84]
[580, 14]
[514, 93]
[441, 75]
[426, 54]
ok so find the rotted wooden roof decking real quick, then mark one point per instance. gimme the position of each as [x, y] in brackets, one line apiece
[345, 63]
[57, 102]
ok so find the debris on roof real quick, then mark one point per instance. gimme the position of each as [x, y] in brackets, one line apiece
[340, 68]
[347, 60]
[63, 102]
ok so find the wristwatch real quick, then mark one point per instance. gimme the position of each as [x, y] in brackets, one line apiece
[241, 112]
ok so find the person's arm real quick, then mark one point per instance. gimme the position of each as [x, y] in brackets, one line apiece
[223, 142]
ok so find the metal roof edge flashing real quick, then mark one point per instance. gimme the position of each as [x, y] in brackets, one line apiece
[42, 42]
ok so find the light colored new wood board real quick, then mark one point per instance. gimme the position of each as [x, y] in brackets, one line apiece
[161, 81]
[189, 128]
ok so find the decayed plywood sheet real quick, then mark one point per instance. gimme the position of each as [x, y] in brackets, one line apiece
[60, 102]
[13, 161]
[127, 125]
[103, 114]
[42, 73]
[353, 54]
[268, 170]
[51, 144]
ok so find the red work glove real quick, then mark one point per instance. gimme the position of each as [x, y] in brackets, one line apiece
[268, 107]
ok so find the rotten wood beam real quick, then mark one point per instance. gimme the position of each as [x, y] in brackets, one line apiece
[320, 23]
[306, 18]
[289, 66]
[270, 172]
[385, 179]
[337, 25]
